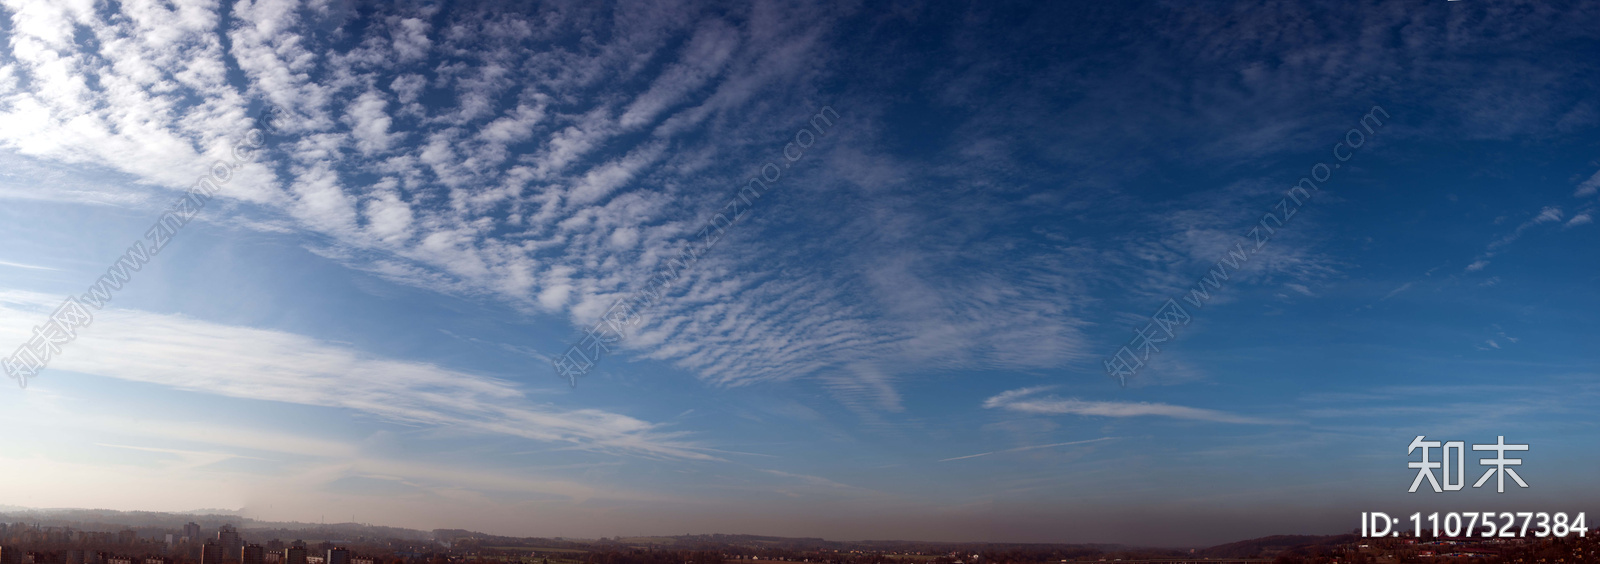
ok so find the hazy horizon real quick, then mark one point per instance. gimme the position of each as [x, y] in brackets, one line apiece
[246, 523]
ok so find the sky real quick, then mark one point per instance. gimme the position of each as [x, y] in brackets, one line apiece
[905, 335]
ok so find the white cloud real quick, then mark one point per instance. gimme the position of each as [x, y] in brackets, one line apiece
[1548, 214]
[369, 123]
[702, 59]
[484, 188]
[603, 180]
[241, 362]
[126, 105]
[1024, 401]
[25, 266]
[1407, 285]
[1027, 448]
[389, 218]
[408, 87]
[411, 39]
[559, 179]
[1588, 187]
[321, 202]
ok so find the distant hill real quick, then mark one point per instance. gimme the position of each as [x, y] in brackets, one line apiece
[1271, 546]
[147, 522]
[756, 544]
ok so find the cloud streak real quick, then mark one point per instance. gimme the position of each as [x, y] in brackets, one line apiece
[1025, 401]
[1027, 448]
[241, 362]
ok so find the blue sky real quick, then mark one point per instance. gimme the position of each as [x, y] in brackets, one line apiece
[903, 338]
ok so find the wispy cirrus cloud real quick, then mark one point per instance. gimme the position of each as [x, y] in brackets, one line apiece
[493, 155]
[241, 362]
[1025, 400]
[24, 266]
[1027, 448]
[1547, 214]
[467, 154]
[1407, 285]
[1588, 187]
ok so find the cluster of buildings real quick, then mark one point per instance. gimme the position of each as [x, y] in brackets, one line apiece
[189, 548]
[26, 534]
[228, 548]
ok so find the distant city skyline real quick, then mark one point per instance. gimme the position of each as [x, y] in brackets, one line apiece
[334, 253]
[225, 545]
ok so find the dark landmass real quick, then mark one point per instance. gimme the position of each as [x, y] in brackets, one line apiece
[86, 536]
[1274, 545]
[152, 521]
